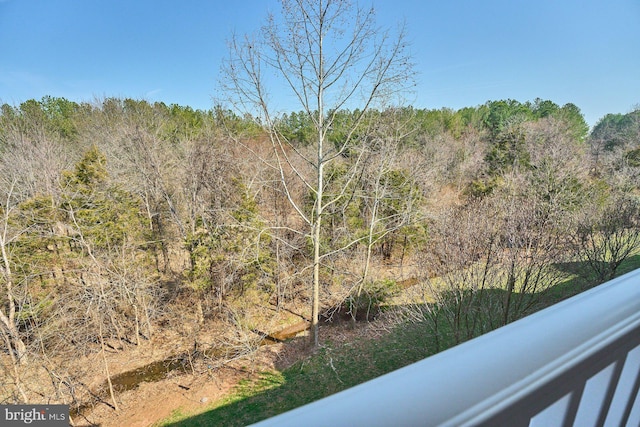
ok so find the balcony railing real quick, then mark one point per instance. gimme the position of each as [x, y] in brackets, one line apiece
[576, 363]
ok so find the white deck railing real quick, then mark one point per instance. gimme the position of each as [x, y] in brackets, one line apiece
[576, 363]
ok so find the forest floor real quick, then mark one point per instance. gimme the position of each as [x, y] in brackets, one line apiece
[268, 381]
[206, 380]
[194, 392]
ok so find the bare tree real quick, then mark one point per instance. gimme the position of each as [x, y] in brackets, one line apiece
[146, 163]
[8, 319]
[492, 260]
[8, 314]
[326, 55]
[387, 192]
[606, 235]
[532, 241]
[32, 155]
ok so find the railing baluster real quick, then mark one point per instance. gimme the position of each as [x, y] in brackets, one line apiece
[633, 395]
[572, 410]
[611, 389]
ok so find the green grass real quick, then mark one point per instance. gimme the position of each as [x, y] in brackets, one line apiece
[581, 277]
[337, 367]
[327, 372]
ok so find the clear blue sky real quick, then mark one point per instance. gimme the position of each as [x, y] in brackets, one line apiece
[466, 51]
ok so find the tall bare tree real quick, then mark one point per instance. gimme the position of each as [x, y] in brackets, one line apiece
[388, 193]
[321, 56]
[8, 319]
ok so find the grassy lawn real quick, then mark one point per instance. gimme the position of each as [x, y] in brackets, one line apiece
[335, 368]
[329, 371]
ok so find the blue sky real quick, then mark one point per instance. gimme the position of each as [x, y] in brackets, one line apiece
[466, 51]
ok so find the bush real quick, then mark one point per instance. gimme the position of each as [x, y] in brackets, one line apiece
[364, 302]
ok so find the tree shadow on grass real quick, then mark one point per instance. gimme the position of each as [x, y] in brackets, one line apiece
[332, 370]
[582, 278]
[328, 371]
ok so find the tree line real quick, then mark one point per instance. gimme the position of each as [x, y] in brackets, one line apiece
[121, 217]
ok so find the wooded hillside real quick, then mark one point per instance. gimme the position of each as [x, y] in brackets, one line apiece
[123, 221]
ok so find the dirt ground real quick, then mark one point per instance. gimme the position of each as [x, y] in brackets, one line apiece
[152, 402]
[194, 392]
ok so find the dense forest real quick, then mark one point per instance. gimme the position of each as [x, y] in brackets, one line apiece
[124, 221]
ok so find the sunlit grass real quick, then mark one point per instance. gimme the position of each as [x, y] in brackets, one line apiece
[337, 367]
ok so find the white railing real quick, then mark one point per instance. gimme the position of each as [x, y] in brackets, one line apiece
[576, 363]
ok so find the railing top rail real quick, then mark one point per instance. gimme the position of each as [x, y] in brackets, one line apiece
[467, 383]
